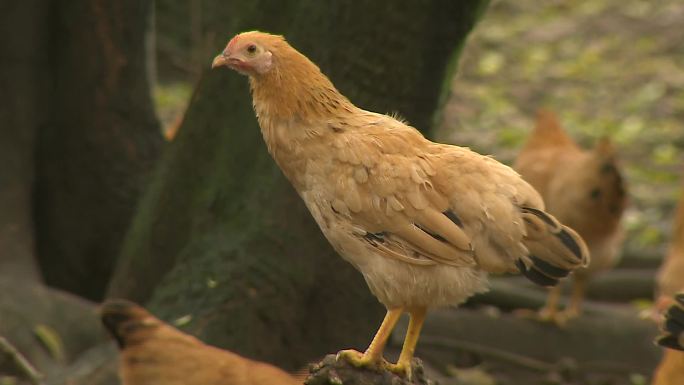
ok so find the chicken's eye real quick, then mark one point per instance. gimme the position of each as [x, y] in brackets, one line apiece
[251, 49]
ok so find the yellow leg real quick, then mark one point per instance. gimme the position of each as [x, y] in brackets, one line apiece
[550, 311]
[373, 355]
[575, 307]
[403, 365]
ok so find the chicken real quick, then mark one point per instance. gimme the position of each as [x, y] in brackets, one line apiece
[423, 222]
[670, 281]
[671, 272]
[153, 352]
[670, 371]
[584, 190]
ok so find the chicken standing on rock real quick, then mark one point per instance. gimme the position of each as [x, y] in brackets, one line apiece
[423, 222]
[584, 190]
[153, 352]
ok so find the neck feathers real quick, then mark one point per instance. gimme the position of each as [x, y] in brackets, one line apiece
[296, 88]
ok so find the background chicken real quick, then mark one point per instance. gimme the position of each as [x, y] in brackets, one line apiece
[584, 190]
[671, 368]
[670, 281]
[153, 352]
[671, 273]
[423, 222]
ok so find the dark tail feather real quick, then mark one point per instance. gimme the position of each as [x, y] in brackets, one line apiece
[555, 249]
[673, 329]
[120, 317]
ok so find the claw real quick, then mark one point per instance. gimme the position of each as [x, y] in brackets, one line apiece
[401, 369]
[362, 360]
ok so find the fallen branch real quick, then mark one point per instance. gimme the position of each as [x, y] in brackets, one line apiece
[620, 285]
[20, 362]
[607, 339]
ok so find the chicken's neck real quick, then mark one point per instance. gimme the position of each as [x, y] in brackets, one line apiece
[294, 109]
[302, 92]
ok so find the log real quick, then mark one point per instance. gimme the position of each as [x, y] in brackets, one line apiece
[47, 326]
[619, 285]
[608, 342]
[96, 366]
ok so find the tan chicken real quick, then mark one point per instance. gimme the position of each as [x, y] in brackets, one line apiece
[584, 190]
[670, 371]
[153, 352]
[423, 222]
[671, 272]
[671, 368]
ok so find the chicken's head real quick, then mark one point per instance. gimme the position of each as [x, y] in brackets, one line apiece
[249, 53]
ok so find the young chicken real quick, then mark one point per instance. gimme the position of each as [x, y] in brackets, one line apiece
[153, 352]
[584, 190]
[670, 281]
[670, 371]
[671, 272]
[423, 222]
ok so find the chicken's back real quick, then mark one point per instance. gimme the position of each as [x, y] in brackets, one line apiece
[153, 352]
[547, 150]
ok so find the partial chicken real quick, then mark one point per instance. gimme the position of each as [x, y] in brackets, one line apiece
[153, 352]
[423, 222]
[584, 190]
[671, 273]
[670, 371]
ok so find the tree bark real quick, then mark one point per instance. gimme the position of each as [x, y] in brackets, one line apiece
[24, 90]
[221, 235]
[94, 155]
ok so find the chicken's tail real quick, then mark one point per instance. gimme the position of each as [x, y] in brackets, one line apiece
[122, 318]
[554, 249]
[673, 329]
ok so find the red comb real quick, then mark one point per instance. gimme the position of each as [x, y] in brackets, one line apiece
[232, 42]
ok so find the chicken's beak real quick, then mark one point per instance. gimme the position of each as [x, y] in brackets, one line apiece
[219, 61]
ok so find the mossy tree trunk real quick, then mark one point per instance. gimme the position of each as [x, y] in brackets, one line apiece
[100, 140]
[24, 86]
[222, 236]
[77, 137]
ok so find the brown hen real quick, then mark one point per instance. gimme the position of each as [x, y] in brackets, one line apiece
[584, 190]
[422, 221]
[153, 352]
[671, 273]
[670, 371]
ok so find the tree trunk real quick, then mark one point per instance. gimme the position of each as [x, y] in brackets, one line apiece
[24, 89]
[77, 132]
[103, 136]
[221, 235]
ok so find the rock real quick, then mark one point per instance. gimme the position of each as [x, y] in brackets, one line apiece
[334, 371]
